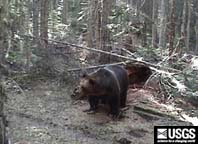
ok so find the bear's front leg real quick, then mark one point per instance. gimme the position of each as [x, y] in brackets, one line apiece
[93, 102]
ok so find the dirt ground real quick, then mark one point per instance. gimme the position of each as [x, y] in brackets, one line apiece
[43, 113]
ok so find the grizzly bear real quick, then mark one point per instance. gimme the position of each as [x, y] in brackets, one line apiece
[108, 85]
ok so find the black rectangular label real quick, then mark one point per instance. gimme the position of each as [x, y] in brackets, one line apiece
[175, 134]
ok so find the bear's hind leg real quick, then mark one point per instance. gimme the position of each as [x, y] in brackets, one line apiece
[114, 107]
[123, 99]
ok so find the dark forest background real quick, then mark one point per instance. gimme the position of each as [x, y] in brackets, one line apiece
[49, 35]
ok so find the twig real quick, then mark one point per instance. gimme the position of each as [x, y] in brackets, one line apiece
[128, 52]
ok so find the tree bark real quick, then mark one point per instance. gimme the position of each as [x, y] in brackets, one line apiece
[26, 29]
[98, 7]
[3, 139]
[154, 26]
[35, 20]
[54, 3]
[182, 41]
[188, 25]
[196, 32]
[65, 11]
[105, 33]
[172, 27]
[91, 19]
[162, 25]
[3, 27]
[44, 22]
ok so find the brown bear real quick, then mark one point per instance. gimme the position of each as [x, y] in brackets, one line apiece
[109, 85]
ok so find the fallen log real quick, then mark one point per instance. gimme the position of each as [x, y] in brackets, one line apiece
[148, 112]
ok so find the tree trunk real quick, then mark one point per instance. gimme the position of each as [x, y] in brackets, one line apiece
[183, 18]
[98, 7]
[35, 20]
[188, 25]
[91, 20]
[182, 41]
[3, 27]
[65, 11]
[26, 29]
[105, 33]
[154, 25]
[162, 25]
[196, 32]
[55, 3]
[172, 27]
[44, 22]
[3, 139]
[130, 2]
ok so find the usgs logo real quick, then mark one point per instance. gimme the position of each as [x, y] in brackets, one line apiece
[181, 133]
[175, 134]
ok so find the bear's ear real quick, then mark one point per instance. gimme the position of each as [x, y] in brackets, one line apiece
[92, 81]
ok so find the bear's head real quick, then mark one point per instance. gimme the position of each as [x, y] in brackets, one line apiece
[91, 85]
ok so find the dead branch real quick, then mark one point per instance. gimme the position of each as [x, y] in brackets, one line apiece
[93, 67]
[128, 52]
[108, 53]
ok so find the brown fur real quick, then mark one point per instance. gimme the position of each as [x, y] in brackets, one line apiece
[108, 84]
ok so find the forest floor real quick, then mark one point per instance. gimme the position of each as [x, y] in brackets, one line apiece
[43, 113]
